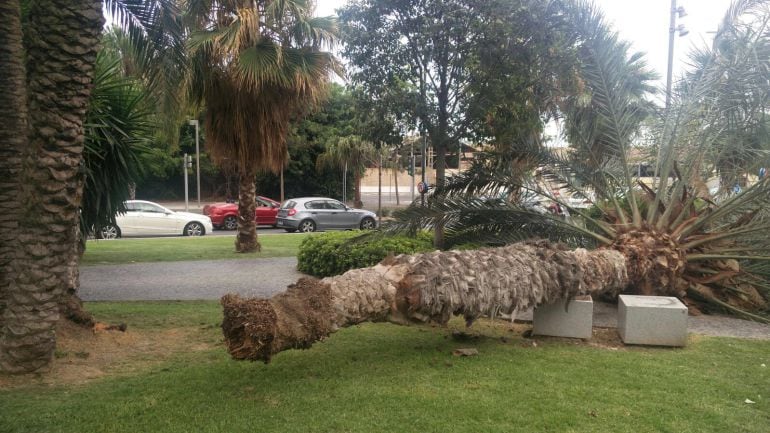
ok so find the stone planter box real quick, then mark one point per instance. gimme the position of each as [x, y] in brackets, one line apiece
[652, 320]
[575, 322]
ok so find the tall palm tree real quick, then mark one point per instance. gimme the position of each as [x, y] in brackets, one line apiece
[668, 241]
[256, 66]
[47, 86]
[349, 153]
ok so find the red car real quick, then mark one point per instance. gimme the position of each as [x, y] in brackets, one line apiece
[225, 215]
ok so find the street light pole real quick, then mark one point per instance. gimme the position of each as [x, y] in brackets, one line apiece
[197, 160]
[672, 29]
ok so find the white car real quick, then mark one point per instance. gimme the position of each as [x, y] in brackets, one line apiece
[145, 218]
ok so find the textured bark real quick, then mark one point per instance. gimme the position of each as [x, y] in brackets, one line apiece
[656, 262]
[246, 238]
[13, 138]
[61, 41]
[357, 202]
[418, 288]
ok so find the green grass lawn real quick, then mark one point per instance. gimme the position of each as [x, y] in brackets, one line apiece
[387, 378]
[184, 248]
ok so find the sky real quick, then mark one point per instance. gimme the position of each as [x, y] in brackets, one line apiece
[645, 24]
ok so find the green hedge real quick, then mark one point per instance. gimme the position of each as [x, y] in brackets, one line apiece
[333, 253]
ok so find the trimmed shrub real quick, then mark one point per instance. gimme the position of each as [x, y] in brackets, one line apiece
[333, 253]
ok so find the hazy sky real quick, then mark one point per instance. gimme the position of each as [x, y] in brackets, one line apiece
[645, 24]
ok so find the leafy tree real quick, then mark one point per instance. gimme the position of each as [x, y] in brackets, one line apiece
[350, 153]
[256, 66]
[335, 118]
[420, 49]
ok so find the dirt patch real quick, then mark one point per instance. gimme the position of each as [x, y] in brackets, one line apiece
[84, 354]
[601, 338]
[520, 332]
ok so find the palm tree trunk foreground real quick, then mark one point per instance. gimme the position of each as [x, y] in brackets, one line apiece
[13, 141]
[246, 238]
[418, 288]
[62, 38]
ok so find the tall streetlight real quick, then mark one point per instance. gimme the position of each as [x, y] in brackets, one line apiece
[194, 122]
[672, 29]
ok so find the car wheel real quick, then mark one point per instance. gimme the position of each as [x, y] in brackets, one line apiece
[368, 224]
[230, 223]
[109, 232]
[290, 230]
[194, 229]
[307, 226]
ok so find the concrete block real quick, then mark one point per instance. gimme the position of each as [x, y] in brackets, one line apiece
[652, 320]
[553, 320]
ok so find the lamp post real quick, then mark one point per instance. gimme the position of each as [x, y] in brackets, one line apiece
[672, 29]
[194, 122]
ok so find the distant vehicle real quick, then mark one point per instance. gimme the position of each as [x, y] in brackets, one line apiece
[225, 215]
[309, 214]
[145, 218]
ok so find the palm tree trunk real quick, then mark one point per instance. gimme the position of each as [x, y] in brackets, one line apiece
[13, 137]
[418, 288]
[246, 239]
[61, 41]
[357, 195]
[396, 171]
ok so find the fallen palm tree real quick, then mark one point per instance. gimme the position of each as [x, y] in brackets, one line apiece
[418, 288]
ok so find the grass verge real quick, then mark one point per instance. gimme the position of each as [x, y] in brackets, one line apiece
[184, 248]
[386, 378]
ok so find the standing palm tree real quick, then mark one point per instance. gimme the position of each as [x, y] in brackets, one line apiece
[669, 241]
[59, 51]
[256, 66]
[351, 153]
[46, 86]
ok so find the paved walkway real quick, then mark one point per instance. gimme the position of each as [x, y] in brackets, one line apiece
[210, 279]
[192, 280]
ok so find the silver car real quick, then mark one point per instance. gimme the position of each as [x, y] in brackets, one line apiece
[308, 214]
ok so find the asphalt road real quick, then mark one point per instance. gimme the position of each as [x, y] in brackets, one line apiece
[193, 280]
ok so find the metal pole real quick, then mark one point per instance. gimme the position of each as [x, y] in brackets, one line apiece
[186, 187]
[669, 74]
[424, 145]
[345, 183]
[282, 198]
[671, 32]
[379, 191]
[197, 164]
[411, 162]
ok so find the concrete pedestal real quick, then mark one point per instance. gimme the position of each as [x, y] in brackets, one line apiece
[553, 320]
[652, 320]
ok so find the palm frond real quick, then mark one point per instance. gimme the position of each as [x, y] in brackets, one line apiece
[119, 128]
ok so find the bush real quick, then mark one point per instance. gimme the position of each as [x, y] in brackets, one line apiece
[333, 253]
